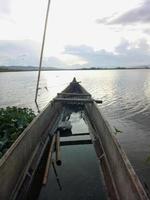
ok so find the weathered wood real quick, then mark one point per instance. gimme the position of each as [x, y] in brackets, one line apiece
[118, 165]
[105, 170]
[49, 160]
[75, 135]
[75, 142]
[14, 163]
[73, 100]
[73, 94]
[114, 163]
[58, 160]
[25, 183]
[98, 101]
[76, 101]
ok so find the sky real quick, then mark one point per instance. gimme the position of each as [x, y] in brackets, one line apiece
[80, 33]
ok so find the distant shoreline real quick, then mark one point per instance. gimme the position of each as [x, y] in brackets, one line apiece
[24, 69]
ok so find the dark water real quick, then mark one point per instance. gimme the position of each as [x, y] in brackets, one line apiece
[125, 95]
[79, 176]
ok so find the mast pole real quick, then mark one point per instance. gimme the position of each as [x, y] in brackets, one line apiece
[42, 50]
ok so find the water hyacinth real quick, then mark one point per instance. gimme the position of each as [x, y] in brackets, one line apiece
[13, 121]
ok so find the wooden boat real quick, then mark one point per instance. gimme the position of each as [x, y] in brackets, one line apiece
[31, 153]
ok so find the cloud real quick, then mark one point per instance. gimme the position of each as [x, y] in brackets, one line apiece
[5, 7]
[24, 53]
[53, 62]
[140, 14]
[104, 20]
[126, 54]
[147, 31]
[27, 53]
[78, 50]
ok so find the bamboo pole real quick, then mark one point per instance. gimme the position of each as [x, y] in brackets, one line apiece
[42, 49]
[58, 159]
[49, 160]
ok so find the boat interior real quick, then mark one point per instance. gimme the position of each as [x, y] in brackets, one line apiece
[41, 150]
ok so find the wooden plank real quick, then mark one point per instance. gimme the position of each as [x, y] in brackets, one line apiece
[71, 100]
[98, 101]
[74, 94]
[75, 142]
[14, 163]
[49, 160]
[124, 178]
[75, 134]
[58, 160]
[75, 100]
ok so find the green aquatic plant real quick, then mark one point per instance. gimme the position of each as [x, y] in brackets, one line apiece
[13, 121]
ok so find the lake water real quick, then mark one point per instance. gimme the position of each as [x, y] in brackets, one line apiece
[125, 95]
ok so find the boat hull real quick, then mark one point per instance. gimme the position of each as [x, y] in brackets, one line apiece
[26, 153]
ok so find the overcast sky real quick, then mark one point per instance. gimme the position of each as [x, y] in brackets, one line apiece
[81, 33]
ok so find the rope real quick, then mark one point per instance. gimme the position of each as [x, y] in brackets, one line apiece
[42, 50]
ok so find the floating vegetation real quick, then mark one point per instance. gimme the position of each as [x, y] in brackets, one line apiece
[13, 121]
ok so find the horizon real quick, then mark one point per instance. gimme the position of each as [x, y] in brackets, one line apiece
[47, 68]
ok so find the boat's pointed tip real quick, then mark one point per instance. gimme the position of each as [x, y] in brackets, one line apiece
[74, 79]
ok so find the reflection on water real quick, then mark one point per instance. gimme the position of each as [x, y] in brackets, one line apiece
[125, 95]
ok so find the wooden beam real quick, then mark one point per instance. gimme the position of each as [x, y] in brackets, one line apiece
[75, 134]
[75, 100]
[58, 160]
[75, 142]
[49, 160]
[71, 100]
[74, 94]
[98, 101]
